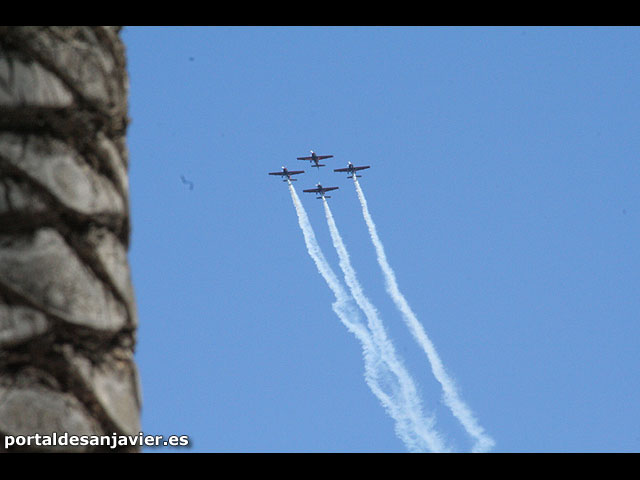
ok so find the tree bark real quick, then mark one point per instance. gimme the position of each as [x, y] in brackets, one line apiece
[67, 311]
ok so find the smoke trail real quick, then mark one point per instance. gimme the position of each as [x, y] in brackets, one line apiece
[374, 368]
[451, 397]
[408, 390]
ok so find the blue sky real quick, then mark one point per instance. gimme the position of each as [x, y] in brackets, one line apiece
[505, 187]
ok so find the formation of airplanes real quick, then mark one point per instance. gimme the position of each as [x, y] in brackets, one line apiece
[320, 191]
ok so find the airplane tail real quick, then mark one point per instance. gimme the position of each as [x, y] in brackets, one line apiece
[319, 165]
[291, 180]
[357, 176]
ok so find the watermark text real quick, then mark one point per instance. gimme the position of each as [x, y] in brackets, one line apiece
[111, 441]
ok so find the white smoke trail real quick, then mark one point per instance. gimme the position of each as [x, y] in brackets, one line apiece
[451, 397]
[408, 391]
[374, 368]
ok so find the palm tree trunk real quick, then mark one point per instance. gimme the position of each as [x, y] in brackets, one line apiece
[67, 309]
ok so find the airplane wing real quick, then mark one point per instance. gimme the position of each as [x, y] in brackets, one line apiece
[306, 158]
[289, 172]
[330, 188]
[355, 169]
[312, 190]
[322, 157]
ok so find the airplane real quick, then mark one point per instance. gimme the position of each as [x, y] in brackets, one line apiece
[321, 190]
[315, 158]
[287, 173]
[351, 170]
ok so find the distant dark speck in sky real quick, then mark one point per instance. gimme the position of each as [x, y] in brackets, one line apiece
[187, 182]
[191, 59]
